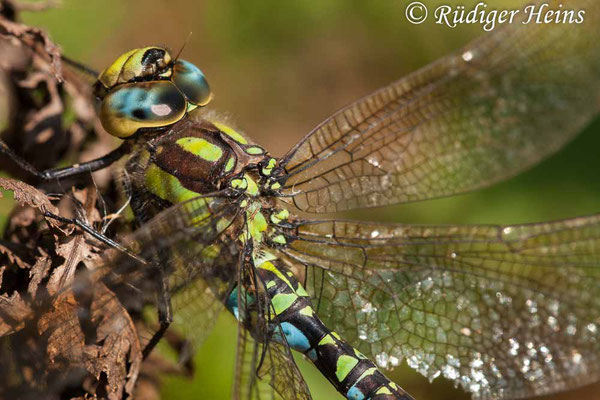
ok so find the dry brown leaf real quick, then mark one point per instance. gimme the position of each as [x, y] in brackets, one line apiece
[36, 130]
[38, 272]
[13, 312]
[115, 353]
[121, 353]
[22, 216]
[74, 250]
[37, 6]
[16, 254]
[54, 107]
[27, 195]
[37, 40]
[93, 334]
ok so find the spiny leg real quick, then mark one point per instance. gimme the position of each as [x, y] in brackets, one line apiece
[80, 66]
[66, 172]
[165, 311]
[94, 233]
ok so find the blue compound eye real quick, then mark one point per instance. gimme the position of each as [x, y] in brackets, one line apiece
[133, 106]
[191, 81]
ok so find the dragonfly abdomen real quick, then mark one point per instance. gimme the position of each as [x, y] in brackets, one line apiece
[296, 324]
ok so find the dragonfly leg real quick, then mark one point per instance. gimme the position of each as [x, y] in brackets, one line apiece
[94, 233]
[165, 312]
[66, 172]
[81, 67]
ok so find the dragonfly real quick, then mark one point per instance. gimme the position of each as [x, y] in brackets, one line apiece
[503, 311]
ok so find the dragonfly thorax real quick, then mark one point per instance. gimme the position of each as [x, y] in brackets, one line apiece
[194, 158]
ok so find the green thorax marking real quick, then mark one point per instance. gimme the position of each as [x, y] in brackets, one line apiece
[257, 224]
[255, 150]
[230, 132]
[230, 164]
[166, 186]
[255, 220]
[266, 171]
[201, 148]
[247, 184]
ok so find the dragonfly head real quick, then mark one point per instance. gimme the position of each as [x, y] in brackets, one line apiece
[146, 89]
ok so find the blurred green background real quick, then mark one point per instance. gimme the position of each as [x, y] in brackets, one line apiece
[280, 67]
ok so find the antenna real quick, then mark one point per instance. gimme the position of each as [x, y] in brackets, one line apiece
[182, 47]
[81, 67]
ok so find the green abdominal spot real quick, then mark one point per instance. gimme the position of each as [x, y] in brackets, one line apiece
[345, 364]
[282, 302]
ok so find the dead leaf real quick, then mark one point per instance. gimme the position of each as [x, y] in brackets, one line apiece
[27, 195]
[16, 254]
[115, 352]
[34, 38]
[54, 107]
[38, 272]
[13, 314]
[74, 250]
[37, 6]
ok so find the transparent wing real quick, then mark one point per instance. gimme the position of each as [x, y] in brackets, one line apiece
[464, 122]
[180, 259]
[246, 384]
[190, 244]
[196, 244]
[196, 309]
[504, 311]
[264, 369]
[282, 373]
[278, 376]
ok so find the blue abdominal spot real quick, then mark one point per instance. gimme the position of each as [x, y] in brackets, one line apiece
[232, 304]
[355, 394]
[294, 337]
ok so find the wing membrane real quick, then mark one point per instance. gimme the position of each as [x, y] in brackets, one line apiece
[264, 369]
[464, 122]
[185, 242]
[505, 311]
[278, 376]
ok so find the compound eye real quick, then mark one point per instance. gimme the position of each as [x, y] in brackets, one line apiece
[135, 64]
[134, 106]
[112, 75]
[191, 81]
